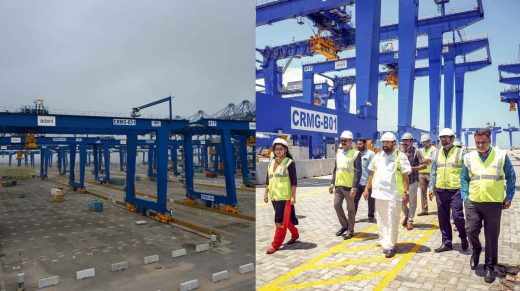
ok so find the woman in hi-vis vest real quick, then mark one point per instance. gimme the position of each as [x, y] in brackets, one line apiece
[281, 189]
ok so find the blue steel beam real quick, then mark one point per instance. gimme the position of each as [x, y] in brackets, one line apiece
[510, 68]
[407, 32]
[424, 26]
[280, 10]
[510, 80]
[368, 23]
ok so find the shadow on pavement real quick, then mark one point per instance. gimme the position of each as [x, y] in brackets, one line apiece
[405, 248]
[300, 245]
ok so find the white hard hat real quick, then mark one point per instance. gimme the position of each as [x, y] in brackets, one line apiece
[388, 136]
[280, 141]
[346, 134]
[446, 132]
[406, 136]
[425, 137]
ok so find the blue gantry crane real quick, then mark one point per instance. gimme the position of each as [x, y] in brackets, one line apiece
[306, 115]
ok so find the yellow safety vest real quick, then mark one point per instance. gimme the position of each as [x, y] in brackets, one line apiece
[345, 167]
[279, 182]
[449, 169]
[426, 153]
[487, 182]
[397, 172]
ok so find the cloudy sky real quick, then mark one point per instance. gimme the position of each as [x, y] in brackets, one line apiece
[109, 56]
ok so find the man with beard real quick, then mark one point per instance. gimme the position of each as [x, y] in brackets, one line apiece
[388, 180]
[416, 162]
[366, 157]
[428, 152]
[445, 183]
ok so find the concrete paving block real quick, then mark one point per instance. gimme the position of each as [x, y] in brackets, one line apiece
[84, 274]
[202, 247]
[179, 253]
[189, 285]
[246, 268]
[219, 276]
[49, 281]
[151, 259]
[121, 266]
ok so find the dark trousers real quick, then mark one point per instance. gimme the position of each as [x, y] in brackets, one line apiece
[450, 201]
[371, 201]
[490, 213]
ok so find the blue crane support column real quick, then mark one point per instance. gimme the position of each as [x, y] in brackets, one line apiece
[131, 152]
[32, 159]
[106, 154]
[408, 13]
[10, 159]
[243, 159]
[72, 164]
[188, 163]
[271, 78]
[95, 150]
[121, 159]
[82, 164]
[26, 160]
[449, 77]
[229, 167]
[60, 160]
[89, 158]
[459, 102]
[162, 168]
[18, 161]
[308, 87]
[174, 159]
[42, 162]
[510, 139]
[434, 59]
[368, 22]
[50, 158]
[150, 160]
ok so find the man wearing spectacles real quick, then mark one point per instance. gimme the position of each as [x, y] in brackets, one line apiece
[487, 186]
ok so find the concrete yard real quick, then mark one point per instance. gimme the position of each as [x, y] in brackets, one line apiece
[323, 261]
[42, 239]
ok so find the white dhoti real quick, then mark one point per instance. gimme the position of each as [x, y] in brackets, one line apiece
[388, 213]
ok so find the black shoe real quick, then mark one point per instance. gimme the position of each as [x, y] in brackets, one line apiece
[341, 231]
[490, 275]
[371, 220]
[464, 244]
[473, 262]
[443, 248]
[389, 253]
[349, 235]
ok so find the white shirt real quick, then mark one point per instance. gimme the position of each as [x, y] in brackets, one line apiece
[384, 184]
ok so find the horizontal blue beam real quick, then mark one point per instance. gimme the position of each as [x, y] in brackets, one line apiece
[510, 80]
[74, 124]
[510, 68]
[280, 10]
[440, 23]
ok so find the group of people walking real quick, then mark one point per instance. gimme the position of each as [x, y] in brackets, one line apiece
[479, 184]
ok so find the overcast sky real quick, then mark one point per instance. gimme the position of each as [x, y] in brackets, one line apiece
[109, 56]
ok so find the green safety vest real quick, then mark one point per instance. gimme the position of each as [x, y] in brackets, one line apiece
[487, 179]
[345, 167]
[279, 182]
[426, 153]
[449, 169]
[397, 172]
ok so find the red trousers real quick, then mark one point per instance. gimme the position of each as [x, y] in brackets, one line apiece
[280, 232]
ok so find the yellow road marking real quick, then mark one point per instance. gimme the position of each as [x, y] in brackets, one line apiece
[310, 263]
[403, 261]
[280, 283]
[334, 281]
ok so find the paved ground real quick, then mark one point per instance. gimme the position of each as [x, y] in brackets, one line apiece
[41, 239]
[323, 261]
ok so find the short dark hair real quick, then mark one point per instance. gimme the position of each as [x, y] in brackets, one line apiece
[483, 131]
[363, 140]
